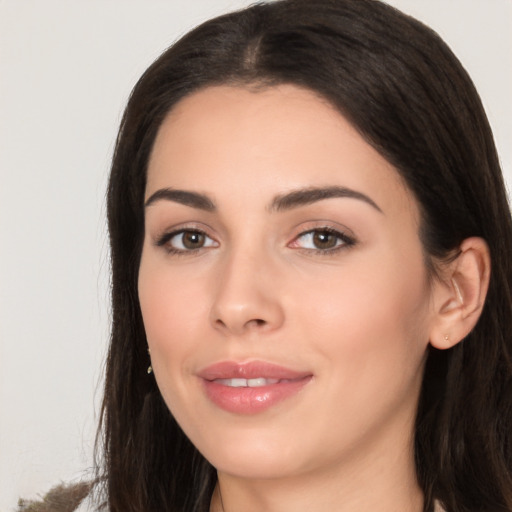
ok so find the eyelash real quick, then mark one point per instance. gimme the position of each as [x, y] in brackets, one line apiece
[344, 241]
[165, 239]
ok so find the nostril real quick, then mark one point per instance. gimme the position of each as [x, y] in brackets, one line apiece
[256, 322]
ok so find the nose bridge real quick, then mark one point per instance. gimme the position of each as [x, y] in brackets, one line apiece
[245, 298]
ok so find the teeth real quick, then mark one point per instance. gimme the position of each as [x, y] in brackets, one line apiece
[234, 383]
[260, 381]
[247, 383]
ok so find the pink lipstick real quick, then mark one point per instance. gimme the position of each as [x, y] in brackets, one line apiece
[249, 388]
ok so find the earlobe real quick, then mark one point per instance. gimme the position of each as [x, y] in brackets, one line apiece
[460, 295]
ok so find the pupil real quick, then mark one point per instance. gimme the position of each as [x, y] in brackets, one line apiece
[324, 240]
[193, 240]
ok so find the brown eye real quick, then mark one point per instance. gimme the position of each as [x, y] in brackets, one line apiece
[325, 240]
[186, 240]
[192, 239]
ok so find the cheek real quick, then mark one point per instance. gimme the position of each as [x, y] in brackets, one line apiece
[171, 305]
[370, 327]
[371, 319]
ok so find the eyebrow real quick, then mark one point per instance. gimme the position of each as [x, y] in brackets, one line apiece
[192, 199]
[307, 196]
[288, 201]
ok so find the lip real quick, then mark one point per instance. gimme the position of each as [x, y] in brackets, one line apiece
[251, 400]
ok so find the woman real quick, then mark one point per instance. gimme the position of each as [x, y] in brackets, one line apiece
[311, 273]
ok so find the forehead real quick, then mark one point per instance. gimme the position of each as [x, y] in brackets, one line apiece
[226, 138]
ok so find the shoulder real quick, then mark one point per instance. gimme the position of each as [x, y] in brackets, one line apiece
[61, 498]
[86, 505]
[438, 507]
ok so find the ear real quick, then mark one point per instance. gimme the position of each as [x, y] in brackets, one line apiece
[459, 294]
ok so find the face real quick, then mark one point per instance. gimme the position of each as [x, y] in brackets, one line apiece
[282, 284]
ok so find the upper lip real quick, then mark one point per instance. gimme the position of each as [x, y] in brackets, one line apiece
[250, 370]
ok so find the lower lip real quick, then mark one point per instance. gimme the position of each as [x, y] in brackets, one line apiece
[247, 400]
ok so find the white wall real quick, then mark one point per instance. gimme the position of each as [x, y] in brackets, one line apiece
[66, 69]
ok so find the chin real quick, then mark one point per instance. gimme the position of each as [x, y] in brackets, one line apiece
[257, 468]
[253, 457]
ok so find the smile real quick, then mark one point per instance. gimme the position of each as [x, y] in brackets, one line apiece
[247, 383]
[251, 388]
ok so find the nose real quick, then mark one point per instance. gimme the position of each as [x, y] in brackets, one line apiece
[247, 295]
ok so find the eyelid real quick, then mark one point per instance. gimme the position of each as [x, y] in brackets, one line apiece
[162, 239]
[346, 236]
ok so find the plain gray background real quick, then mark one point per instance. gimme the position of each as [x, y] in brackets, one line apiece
[66, 69]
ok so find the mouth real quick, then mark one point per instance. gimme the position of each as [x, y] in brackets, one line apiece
[251, 388]
[258, 382]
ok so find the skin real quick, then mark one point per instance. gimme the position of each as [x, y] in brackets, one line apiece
[358, 318]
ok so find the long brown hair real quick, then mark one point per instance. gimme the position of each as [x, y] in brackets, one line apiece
[399, 84]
